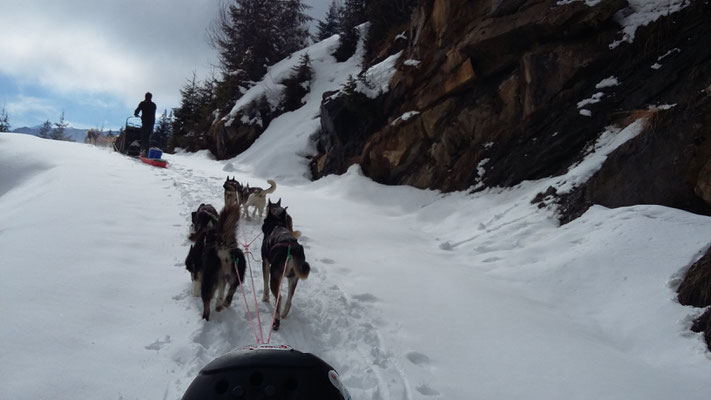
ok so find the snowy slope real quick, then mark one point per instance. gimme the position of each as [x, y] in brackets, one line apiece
[414, 294]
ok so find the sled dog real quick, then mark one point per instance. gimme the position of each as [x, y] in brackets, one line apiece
[257, 198]
[233, 191]
[204, 218]
[282, 256]
[214, 255]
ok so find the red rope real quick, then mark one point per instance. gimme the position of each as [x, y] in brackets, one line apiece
[244, 296]
[254, 293]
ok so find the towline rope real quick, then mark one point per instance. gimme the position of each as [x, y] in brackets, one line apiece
[254, 293]
[260, 338]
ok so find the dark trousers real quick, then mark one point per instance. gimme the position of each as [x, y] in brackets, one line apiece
[146, 132]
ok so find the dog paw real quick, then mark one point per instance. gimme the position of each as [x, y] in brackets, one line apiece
[219, 308]
[276, 324]
[265, 299]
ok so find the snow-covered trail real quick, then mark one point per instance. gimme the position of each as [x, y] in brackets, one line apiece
[324, 319]
[414, 294]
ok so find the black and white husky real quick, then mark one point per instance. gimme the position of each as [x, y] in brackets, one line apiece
[234, 191]
[282, 256]
[217, 260]
[204, 218]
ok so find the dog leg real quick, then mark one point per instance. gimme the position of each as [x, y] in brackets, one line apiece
[265, 275]
[292, 288]
[220, 296]
[274, 283]
[230, 294]
[196, 288]
[205, 308]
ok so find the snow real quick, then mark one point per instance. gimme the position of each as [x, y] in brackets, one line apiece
[607, 82]
[643, 12]
[662, 107]
[592, 100]
[609, 140]
[376, 79]
[406, 116]
[414, 294]
[590, 3]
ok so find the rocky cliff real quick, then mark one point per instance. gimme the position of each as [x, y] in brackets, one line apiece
[492, 93]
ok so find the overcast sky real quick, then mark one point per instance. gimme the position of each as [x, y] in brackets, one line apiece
[95, 59]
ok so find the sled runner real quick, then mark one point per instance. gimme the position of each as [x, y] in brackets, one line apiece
[156, 162]
[129, 141]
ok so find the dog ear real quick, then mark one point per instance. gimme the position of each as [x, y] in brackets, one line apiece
[278, 203]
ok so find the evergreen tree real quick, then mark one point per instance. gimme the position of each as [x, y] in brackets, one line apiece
[4, 121]
[386, 18]
[163, 130]
[331, 23]
[59, 127]
[354, 14]
[292, 27]
[250, 35]
[185, 116]
[45, 130]
[297, 85]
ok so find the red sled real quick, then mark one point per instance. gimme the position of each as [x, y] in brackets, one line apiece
[156, 162]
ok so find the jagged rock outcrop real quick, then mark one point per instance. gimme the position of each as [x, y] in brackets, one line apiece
[497, 86]
[230, 136]
[495, 93]
[695, 291]
[225, 142]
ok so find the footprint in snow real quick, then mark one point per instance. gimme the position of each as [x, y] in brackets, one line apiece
[417, 358]
[158, 344]
[366, 298]
[427, 391]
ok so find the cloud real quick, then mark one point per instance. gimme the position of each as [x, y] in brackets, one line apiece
[121, 47]
[118, 49]
[22, 106]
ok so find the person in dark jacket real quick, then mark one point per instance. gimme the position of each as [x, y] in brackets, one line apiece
[147, 108]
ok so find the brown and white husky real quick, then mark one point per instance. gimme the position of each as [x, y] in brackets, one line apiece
[218, 260]
[280, 250]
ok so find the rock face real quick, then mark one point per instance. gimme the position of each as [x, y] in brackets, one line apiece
[498, 96]
[696, 291]
[498, 85]
[226, 140]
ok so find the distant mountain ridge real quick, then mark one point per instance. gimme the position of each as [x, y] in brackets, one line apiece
[74, 134]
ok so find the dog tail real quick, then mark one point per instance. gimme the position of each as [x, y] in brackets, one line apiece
[301, 267]
[302, 270]
[227, 225]
[272, 187]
